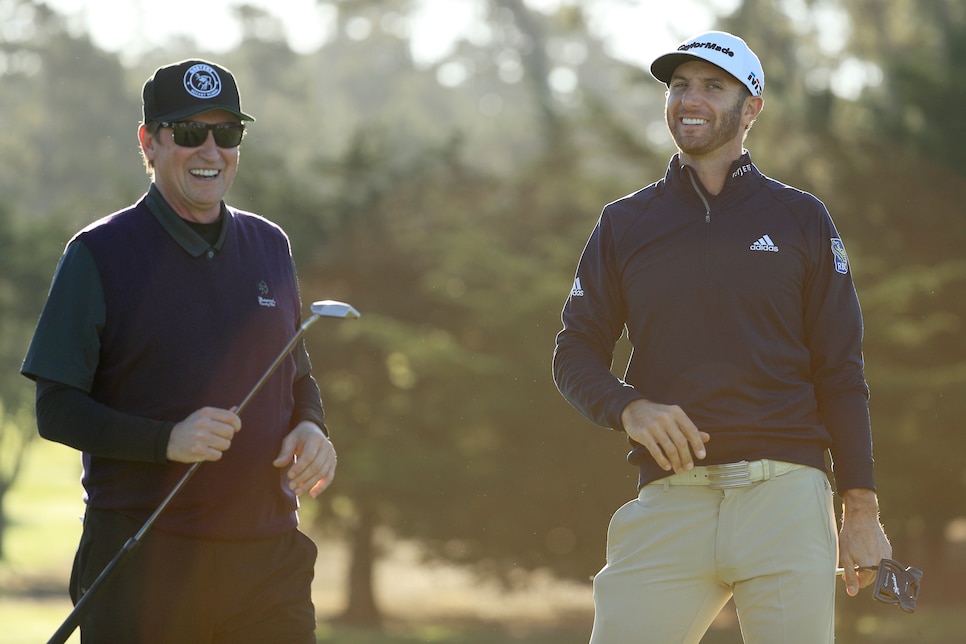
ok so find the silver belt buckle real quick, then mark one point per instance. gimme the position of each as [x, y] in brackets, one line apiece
[729, 475]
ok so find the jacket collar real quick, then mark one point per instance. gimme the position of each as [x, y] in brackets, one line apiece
[742, 179]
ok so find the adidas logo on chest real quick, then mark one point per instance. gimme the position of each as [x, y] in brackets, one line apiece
[764, 243]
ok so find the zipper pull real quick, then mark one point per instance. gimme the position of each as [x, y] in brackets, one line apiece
[697, 189]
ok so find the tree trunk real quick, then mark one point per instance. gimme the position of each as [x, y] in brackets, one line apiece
[3, 517]
[362, 609]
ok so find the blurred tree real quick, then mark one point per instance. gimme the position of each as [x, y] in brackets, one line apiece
[29, 251]
[58, 88]
[919, 46]
[16, 435]
[440, 399]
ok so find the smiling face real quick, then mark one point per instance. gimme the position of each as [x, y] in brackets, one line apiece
[708, 111]
[192, 180]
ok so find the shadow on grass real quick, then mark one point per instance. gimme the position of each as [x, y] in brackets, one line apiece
[473, 632]
[932, 625]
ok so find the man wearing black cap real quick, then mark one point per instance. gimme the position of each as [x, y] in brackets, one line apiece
[159, 320]
[747, 369]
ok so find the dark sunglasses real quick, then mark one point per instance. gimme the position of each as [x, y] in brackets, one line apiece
[191, 134]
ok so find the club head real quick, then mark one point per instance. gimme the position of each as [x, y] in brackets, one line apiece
[334, 309]
[896, 584]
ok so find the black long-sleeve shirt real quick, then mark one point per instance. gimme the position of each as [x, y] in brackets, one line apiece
[70, 416]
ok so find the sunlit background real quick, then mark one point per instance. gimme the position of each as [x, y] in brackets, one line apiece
[439, 164]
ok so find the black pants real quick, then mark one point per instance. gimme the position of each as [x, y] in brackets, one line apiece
[174, 589]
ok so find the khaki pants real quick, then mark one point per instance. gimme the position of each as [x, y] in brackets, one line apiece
[676, 554]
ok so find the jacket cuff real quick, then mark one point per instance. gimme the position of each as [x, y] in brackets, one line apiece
[615, 407]
[851, 474]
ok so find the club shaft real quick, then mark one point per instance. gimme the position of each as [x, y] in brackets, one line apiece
[271, 370]
[841, 571]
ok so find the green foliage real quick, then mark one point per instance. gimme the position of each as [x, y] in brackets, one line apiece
[30, 250]
[16, 434]
[438, 396]
[66, 98]
[921, 45]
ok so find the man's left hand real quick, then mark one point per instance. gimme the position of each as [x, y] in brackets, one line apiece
[862, 541]
[312, 458]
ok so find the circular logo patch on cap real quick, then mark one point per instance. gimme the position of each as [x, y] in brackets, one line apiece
[202, 81]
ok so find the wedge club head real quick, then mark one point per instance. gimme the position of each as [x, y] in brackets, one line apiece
[334, 309]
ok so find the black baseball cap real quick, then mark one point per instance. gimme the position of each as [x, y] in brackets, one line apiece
[190, 87]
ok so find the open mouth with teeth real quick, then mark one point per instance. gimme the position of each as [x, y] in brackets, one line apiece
[204, 174]
[694, 121]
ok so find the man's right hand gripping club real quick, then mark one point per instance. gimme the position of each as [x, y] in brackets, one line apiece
[666, 432]
[203, 436]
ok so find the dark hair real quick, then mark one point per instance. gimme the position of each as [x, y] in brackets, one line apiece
[152, 128]
[745, 93]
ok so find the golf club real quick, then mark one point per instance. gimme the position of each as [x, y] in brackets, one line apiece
[841, 571]
[323, 308]
[894, 583]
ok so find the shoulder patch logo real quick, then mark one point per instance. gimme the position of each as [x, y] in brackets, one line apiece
[839, 256]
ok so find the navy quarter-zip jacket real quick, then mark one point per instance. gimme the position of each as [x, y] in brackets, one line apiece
[741, 310]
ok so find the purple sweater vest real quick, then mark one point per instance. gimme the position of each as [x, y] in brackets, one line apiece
[185, 332]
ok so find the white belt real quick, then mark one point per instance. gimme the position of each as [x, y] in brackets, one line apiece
[729, 475]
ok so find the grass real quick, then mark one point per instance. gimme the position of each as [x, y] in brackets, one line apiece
[43, 511]
[424, 603]
[44, 508]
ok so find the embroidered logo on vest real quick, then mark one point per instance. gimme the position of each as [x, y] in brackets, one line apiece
[263, 292]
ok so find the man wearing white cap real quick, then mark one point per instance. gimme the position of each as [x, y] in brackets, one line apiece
[747, 371]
